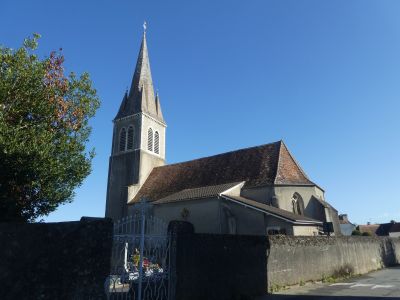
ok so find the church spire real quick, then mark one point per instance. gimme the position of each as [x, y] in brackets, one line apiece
[141, 97]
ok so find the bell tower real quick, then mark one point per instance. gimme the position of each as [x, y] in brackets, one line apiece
[138, 143]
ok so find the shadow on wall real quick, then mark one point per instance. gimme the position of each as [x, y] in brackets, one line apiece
[295, 297]
[68, 260]
[226, 267]
[218, 266]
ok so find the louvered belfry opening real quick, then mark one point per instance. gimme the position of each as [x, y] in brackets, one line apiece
[156, 143]
[122, 140]
[130, 138]
[150, 139]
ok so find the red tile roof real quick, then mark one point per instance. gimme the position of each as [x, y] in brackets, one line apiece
[258, 166]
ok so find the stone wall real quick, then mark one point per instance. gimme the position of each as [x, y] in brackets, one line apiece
[68, 260]
[292, 260]
[217, 266]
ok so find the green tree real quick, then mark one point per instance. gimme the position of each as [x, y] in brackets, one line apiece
[44, 126]
[356, 232]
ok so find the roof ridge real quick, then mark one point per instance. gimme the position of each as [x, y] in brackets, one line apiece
[212, 185]
[215, 155]
[279, 160]
[295, 161]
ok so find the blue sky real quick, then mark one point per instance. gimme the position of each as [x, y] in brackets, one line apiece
[324, 76]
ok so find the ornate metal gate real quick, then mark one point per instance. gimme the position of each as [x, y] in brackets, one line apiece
[140, 261]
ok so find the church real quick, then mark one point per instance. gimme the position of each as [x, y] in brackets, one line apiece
[259, 190]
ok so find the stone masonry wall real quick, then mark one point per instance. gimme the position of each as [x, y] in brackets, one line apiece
[292, 260]
[68, 260]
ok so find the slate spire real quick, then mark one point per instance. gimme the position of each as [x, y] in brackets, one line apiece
[141, 96]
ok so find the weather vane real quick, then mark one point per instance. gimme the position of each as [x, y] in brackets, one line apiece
[144, 26]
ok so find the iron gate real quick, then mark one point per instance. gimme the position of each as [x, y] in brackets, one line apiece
[140, 260]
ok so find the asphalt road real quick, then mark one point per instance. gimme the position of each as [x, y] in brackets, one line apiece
[382, 283]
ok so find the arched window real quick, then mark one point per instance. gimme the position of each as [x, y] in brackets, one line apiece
[156, 143]
[150, 139]
[130, 138]
[298, 204]
[122, 139]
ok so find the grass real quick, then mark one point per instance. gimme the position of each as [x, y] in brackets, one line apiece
[274, 288]
[342, 273]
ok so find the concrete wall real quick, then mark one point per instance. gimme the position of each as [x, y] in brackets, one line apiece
[261, 194]
[213, 215]
[295, 259]
[305, 230]
[202, 213]
[123, 171]
[248, 221]
[281, 197]
[68, 260]
[285, 193]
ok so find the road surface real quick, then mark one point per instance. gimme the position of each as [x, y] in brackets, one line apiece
[382, 283]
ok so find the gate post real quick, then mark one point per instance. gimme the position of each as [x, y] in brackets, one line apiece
[176, 229]
[142, 233]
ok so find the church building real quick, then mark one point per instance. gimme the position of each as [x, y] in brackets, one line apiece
[259, 190]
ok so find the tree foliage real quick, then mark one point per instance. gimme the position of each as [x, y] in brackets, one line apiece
[44, 126]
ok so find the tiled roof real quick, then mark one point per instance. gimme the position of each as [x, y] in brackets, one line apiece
[288, 170]
[369, 228]
[196, 193]
[273, 210]
[384, 229]
[380, 229]
[258, 166]
[343, 219]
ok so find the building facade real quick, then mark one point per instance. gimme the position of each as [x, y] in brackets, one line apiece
[138, 142]
[258, 190]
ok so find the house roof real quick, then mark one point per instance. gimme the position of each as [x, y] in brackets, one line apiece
[384, 229]
[258, 166]
[395, 227]
[197, 193]
[271, 210]
[345, 222]
[380, 229]
[343, 219]
[369, 228]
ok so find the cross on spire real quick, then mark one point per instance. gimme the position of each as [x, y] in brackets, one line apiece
[141, 96]
[144, 27]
